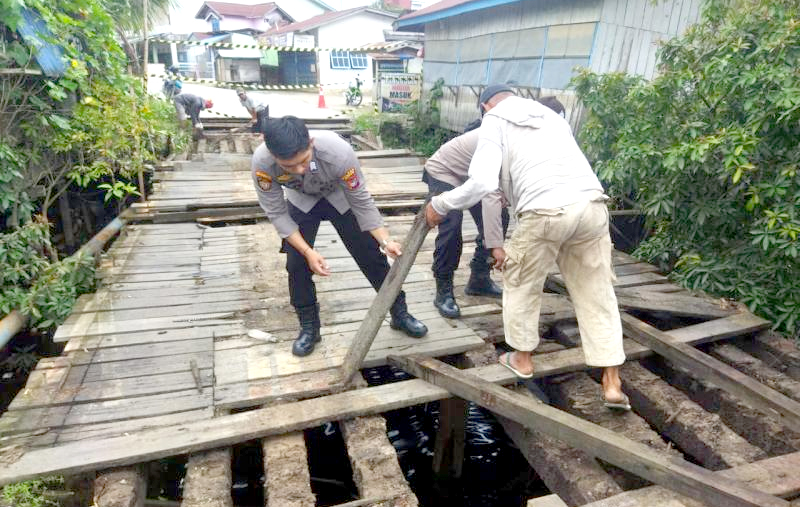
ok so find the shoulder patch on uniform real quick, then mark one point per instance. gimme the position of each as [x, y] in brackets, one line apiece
[264, 181]
[350, 179]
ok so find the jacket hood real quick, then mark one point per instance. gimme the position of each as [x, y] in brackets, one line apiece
[519, 111]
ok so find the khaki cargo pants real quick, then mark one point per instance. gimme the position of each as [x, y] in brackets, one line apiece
[576, 238]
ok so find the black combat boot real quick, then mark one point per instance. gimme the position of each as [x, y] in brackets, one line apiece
[481, 284]
[309, 330]
[404, 321]
[445, 301]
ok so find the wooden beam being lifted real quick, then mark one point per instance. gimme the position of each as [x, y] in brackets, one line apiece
[678, 475]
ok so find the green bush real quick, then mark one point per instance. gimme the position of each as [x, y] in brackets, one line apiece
[414, 127]
[709, 151]
[93, 127]
[30, 493]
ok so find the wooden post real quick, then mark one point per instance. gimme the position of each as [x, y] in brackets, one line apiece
[386, 296]
[678, 475]
[703, 366]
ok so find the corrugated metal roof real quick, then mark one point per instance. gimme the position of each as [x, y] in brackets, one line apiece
[445, 9]
[324, 19]
[34, 30]
[238, 10]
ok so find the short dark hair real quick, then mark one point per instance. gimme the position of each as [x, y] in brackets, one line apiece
[285, 137]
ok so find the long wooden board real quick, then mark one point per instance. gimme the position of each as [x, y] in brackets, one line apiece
[678, 475]
[16, 464]
[776, 476]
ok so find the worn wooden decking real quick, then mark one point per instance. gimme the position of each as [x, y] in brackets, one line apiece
[163, 341]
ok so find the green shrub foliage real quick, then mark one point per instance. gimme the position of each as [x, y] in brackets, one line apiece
[709, 151]
[93, 127]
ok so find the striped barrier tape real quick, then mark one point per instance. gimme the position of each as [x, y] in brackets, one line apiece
[243, 119]
[223, 84]
[230, 45]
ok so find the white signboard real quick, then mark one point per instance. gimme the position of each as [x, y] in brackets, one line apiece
[304, 41]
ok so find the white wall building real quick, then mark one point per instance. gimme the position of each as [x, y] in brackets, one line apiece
[338, 32]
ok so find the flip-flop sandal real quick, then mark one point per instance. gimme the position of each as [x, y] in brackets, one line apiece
[507, 364]
[624, 404]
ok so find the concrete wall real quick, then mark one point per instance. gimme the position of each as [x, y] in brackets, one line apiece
[351, 32]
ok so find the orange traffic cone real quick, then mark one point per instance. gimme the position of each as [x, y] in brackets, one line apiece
[321, 101]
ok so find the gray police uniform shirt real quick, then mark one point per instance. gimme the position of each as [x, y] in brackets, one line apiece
[450, 164]
[251, 105]
[189, 102]
[334, 174]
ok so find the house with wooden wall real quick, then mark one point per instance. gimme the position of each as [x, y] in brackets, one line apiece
[535, 45]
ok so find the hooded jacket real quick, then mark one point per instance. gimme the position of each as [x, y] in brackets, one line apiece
[529, 152]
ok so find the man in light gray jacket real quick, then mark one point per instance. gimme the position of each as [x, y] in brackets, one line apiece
[528, 151]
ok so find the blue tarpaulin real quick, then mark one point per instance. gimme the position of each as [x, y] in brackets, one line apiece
[34, 31]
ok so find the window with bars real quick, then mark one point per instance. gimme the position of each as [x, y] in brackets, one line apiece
[340, 59]
[358, 60]
[348, 60]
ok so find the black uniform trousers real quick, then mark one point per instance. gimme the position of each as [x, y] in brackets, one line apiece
[361, 245]
[449, 242]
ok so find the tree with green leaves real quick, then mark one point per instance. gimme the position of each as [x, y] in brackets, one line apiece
[709, 151]
[93, 127]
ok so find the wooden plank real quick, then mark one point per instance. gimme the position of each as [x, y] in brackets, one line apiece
[363, 339]
[88, 327]
[676, 304]
[105, 411]
[308, 384]
[198, 435]
[754, 393]
[678, 475]
[272, 360]
[115, 428]
[776, 476]
[109, 390]
[253, 392]
[151, 337]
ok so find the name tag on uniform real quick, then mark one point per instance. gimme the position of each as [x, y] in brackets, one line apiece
[313, 167]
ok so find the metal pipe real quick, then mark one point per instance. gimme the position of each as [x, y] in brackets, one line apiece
[13, 323]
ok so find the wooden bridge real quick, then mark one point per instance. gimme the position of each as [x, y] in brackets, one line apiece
[159, 358]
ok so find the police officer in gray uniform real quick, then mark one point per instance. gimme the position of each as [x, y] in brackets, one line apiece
[322, 180]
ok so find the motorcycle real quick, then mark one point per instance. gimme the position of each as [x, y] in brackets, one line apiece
[353, 95]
